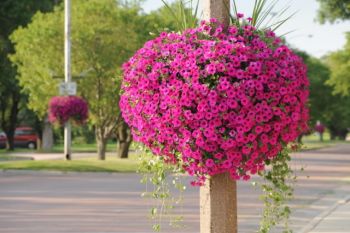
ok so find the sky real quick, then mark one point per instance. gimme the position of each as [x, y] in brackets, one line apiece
[307, 34]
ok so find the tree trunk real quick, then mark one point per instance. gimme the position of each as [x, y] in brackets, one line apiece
[47, 137]
[101, 141]
[10, 134]
[10, 126]
[332, 132]
[342, 134]
[333, 135]
[300, 137]
[125, 139]
[101, 148]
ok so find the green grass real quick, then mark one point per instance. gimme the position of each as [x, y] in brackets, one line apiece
[85, 147]
[79, 165]
[112, 164]
[4, 157]
[312, 141]
[82, 147]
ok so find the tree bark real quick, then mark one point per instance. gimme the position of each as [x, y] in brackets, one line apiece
[342, 134]
[321, 137]
[101, 149]
[124, 140]
[10, 124]
[47, 137]
[101, 141]
[333, 135]
[300, 138]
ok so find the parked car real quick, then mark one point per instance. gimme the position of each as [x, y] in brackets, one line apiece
[25, 137]
[3, 140]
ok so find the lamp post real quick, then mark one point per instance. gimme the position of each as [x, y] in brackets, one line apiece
[67, 74]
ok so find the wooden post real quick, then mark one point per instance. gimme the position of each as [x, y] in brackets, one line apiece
[218, 9]
[218, 205]
[218, 198]
[67, 75]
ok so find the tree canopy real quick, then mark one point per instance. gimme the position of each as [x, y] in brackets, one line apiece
[13, 13]
[103, 37]
[339, 63]
[331, 10]
[331, 109]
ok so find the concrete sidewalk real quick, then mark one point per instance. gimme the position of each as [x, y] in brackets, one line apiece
[335, 219]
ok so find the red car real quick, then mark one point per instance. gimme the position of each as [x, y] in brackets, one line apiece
[24, 137]
[3, 140]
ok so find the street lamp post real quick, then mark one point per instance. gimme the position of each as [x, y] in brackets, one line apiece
[67, 74]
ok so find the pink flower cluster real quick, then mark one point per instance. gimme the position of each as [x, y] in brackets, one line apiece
[217, 100]
[320, 128]
[64, 108]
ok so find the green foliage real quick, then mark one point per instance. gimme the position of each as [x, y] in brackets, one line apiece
[339, 63]
[79, 165]
[13, 13]
[102, 39]
[159, 178]
[331, 10]
[184, 13]
[263, 17]
[320, 93]
[330, 109]
[104, 35]
[277, 192]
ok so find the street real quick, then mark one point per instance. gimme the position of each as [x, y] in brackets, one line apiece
[55, 202]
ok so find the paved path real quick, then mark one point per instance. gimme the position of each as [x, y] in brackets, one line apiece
[337, 221]
[51, 202]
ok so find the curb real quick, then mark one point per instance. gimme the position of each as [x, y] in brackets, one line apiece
[318, 219]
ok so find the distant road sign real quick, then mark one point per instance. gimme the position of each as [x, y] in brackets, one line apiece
[68, 88]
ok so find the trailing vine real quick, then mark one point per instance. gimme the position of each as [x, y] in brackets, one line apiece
[164, 186]
[277, 188]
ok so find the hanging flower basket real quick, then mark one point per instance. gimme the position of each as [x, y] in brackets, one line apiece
[65, 108]
[320, 128]
[216, 100]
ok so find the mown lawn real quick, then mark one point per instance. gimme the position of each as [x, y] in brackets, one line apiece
[79, 165]
[82, 147]
[111, 164]
[312, 141]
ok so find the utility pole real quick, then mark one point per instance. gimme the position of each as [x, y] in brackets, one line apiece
[218, 197]
[67, 74]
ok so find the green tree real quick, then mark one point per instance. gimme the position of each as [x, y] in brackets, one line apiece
[103, 37]
[331, 109]
[331, 10]
[339, 63]
[13, 13]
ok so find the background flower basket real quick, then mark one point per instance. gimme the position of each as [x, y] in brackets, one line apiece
[68, 108]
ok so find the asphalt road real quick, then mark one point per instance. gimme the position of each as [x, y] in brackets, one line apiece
[49, 202]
